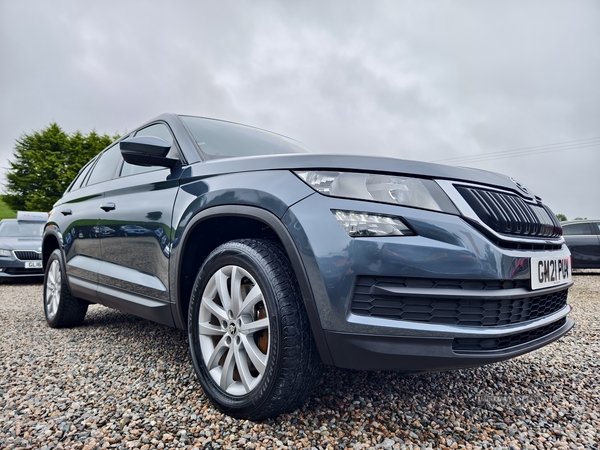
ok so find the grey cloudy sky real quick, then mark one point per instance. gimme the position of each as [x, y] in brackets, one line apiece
[432, 81]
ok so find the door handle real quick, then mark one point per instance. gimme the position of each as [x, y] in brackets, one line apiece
[108, 206]
[66, 212]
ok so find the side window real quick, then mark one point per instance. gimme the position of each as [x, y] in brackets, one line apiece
[159, 130]
[596, 227]
[77, 182]
[106, 166]
[577, 229]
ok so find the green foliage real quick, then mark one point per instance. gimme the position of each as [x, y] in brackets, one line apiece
[5, 211]
[45, 162]
[561, 217]
[580, 218]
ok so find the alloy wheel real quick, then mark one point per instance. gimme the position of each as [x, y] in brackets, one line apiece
[233, 328]
[53, 288]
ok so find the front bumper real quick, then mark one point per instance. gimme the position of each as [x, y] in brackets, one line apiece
[18, 270]
[444, 264]
[421, 354]
[15, 268]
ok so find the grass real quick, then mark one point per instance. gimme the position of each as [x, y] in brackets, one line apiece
[5, 211]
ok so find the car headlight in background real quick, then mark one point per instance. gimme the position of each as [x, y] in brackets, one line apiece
[398, 190]
[5, 253]
[362, 224]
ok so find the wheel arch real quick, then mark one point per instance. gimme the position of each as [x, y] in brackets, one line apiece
[210, 228]
[50, 243]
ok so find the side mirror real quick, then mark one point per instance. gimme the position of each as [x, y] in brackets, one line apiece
[147, 151]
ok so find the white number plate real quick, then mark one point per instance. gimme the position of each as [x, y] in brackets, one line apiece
[548, 272]
[33, 264]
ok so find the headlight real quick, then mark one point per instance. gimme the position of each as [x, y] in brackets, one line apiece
[6, 253]
[359, 224]
[398, 190]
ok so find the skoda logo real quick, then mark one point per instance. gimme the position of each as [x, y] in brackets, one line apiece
[519, 185]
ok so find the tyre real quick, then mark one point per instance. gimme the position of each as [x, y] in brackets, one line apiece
[60, 307]
[249, 336]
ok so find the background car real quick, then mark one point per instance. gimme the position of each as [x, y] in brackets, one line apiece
[21, 245]
[583, 239]
[277, 260]
[100, 231]
[133, 230]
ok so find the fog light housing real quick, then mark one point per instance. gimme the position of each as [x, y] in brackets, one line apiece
[362, 224]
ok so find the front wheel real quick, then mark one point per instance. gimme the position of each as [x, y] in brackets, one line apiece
[60, 307]
[250, 340]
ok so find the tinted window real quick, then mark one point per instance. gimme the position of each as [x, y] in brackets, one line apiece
[159, 130]
[106, 166]
[596, 227]
[219, 139]
[76, 184]
[577, 229]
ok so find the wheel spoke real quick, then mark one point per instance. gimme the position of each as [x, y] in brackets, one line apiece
[236, 290]
[52, 275]
[209, 329]
[253, 327]
[227, 373]
[222, 289]
[218, 351]
[53, 304]
[57, 275]
[50, 302]
[254, 296]
[241, 361]
[214, 309]
[258, 358]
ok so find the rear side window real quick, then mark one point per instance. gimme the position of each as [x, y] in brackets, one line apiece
[106, 166]
[577, 229]
[79, 179]
[596, 227]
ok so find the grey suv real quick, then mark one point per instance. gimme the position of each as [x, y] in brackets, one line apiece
[277, 260]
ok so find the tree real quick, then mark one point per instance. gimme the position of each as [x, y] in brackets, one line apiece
[561, 217]
[580, 218]
[45, 162]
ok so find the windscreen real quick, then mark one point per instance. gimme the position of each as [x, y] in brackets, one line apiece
[218, 139]
[21, 229]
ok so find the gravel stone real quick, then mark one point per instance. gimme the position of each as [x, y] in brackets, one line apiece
[122, 382]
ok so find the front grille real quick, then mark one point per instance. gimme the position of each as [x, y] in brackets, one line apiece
[382, 297]
[511, 215]
[28, 255]
[470, 345]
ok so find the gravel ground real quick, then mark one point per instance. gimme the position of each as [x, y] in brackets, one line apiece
[123, 382]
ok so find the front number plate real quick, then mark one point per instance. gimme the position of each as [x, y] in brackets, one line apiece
[548, 272]
[33, 264]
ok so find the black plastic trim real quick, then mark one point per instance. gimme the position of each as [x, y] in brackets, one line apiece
[419, 354]
[146, 308]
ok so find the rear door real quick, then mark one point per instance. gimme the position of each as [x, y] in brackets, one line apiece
[138, 206]
[77, 218]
